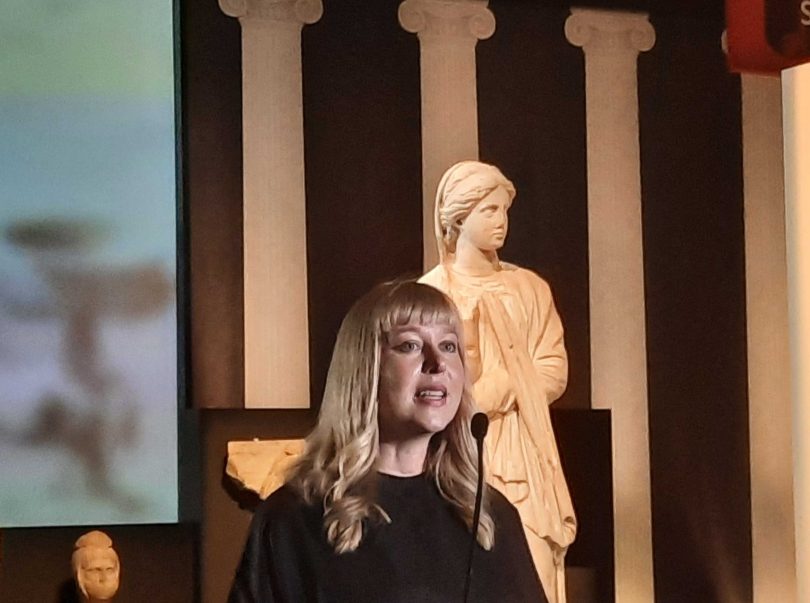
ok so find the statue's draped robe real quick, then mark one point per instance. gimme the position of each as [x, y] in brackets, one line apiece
[517, 336]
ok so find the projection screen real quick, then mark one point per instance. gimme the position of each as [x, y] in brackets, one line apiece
[88, 358]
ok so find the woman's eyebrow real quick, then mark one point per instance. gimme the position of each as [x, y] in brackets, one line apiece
[395, 332]
[449, 331]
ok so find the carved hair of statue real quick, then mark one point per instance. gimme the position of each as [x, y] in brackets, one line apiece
[460, 189]
[96, 566]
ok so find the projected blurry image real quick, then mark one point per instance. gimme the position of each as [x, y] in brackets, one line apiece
[88, 363]
[92, 416]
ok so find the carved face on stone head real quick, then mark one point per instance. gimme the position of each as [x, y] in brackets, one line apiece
[96, 567]
[472, 201]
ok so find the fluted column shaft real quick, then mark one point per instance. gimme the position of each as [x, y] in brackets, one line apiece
[611, 42]
[275, 269]
[448, 32]
[796, 116]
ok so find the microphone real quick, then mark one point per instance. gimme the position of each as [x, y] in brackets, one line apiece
[478, 426]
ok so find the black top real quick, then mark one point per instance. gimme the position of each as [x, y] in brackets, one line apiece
[420, 557]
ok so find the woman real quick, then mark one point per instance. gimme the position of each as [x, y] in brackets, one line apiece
[518, 363]
[379, 509]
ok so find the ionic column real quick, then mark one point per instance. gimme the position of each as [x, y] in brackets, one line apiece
[448, 31]
[611, 42]
[769, 402]
[275, 267]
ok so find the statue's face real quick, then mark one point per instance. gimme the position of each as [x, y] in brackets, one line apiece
[487, 224]
[98, 576]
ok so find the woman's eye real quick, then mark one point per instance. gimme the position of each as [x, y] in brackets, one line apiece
[450, 347]
[407, 346]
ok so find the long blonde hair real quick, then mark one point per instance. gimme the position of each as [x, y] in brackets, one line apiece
[337, 467]
[461, 188]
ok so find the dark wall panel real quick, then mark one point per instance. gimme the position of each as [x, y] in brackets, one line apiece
[693, 238]
[363, 162]
[531, 108]
[584, 438]
[212, 156]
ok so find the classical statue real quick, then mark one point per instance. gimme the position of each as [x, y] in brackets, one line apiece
[517, 360]
[96, 568]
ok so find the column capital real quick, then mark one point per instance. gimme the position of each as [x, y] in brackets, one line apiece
[450, 19]
[293, 11]
[616, 30]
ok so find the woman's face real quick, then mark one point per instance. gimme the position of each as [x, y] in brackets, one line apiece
[421, 380]
[486, 226]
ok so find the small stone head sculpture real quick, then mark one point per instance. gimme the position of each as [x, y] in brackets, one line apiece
[95, 567]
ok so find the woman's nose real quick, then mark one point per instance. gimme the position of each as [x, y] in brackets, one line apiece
[433, 362]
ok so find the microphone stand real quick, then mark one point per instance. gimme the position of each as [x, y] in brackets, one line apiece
[478, 427]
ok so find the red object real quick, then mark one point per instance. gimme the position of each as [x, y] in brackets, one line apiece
[766, 36]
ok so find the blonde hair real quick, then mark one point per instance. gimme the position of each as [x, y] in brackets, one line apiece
[461, 188]
[337, 467]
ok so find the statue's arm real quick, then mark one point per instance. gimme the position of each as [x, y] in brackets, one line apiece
[548, 344]
[492, 386]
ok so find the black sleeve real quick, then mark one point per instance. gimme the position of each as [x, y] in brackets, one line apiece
[513, 549]
[254, 578]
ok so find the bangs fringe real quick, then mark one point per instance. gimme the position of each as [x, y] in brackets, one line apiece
[410, 302]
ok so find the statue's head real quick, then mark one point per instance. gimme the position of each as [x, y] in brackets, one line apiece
[95, 566]
[462, 188]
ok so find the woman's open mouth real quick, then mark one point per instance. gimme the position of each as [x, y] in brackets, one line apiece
[432, 396]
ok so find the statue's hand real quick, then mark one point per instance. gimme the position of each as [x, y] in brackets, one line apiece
[469, 323]
[473, 362]
[493, 391]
